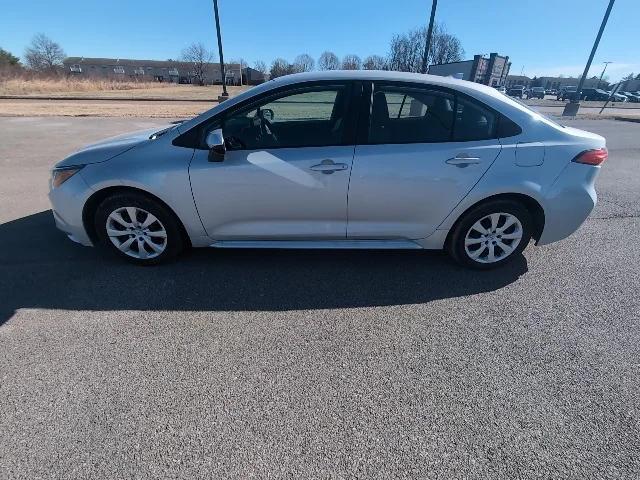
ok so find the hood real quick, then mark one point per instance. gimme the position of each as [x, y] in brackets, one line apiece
[111, 147]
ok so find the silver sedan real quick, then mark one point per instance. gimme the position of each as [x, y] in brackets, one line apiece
[377, 160]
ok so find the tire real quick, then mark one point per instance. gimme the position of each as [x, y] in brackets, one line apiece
[160, 240]
[464, 231]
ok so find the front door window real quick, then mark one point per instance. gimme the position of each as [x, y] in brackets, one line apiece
[311, 117]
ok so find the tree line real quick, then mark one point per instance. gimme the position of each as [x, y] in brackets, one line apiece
[405, 54]
[45, 56]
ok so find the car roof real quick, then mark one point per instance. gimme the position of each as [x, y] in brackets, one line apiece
[378, 75]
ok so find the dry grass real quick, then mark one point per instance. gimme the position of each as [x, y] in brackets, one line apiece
[71, 87]
[21, 86]
[98, 108]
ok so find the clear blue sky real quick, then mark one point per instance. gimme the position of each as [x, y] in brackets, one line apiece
[536, 35]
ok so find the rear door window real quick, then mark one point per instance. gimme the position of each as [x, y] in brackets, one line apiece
[410, 115]
[473, 122]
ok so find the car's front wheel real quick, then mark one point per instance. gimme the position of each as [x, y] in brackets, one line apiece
[138, 229]
[491, 234]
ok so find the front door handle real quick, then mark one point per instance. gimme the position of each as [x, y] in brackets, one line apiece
[327, 167]
[463, 160]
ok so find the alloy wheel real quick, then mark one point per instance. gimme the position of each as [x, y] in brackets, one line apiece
[136, 232]
[493, 238]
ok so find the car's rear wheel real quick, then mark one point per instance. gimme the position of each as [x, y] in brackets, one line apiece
[490, 234]
[138, 229]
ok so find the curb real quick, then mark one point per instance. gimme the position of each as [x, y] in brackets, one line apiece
[627, 119]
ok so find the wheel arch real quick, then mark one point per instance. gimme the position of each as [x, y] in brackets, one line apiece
[530, 203]
[91, 206]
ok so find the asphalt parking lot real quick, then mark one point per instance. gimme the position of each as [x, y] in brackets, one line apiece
[310, 364]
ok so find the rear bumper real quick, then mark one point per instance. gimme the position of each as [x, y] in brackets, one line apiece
[568, 202]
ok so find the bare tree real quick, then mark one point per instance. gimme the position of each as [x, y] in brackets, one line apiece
[351, 62]
[198, 58]
[44, 55]
[328, 61]
[407, 49]
[374, 62]
[445, 47]
[303, 63]
[260, 66]
[280, 67]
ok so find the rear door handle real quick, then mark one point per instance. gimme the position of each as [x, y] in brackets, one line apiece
[327, 167]
[463, 160]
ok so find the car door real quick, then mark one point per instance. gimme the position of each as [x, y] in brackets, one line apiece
[423, 152]
[286, 170]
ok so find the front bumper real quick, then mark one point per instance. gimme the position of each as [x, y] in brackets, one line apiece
[568, 202]
[67, 202]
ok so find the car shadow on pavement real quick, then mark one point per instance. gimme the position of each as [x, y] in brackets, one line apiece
[41, 268]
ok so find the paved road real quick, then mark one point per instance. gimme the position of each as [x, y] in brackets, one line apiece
[315, 364]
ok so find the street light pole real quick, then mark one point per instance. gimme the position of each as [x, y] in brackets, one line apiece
[606, 64]
[429, 35]
[574, 104]
[224, 77]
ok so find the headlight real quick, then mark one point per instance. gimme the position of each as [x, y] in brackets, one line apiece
[61, 175]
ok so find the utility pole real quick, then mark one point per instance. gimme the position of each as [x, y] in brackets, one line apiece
[606, 64]
[571, 109]
[427, 45]
[225, 95]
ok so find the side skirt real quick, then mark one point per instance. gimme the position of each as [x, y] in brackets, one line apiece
[320, 244]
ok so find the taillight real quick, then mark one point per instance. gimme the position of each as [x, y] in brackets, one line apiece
[592, 157]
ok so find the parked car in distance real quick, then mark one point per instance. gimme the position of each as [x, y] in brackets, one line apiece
[501, 89]
[566, 93]
[337, 159]
[594, 94]
[517, 91]
[536, 92]
[633, 97]
[617, 97]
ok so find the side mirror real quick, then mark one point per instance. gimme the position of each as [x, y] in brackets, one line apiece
[215, 142]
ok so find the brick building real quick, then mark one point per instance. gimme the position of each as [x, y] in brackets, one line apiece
[491, 71]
